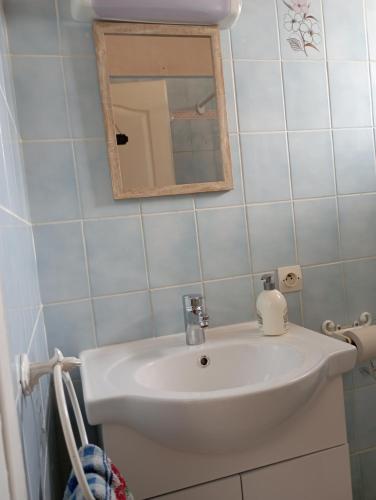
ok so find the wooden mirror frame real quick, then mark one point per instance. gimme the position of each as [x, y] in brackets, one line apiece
[103, 28]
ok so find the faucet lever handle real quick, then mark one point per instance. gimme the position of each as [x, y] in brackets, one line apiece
[204, 322]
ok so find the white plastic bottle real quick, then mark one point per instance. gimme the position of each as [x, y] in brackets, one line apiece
[271, 305]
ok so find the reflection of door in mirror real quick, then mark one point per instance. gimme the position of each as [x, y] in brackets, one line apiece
[141, 113]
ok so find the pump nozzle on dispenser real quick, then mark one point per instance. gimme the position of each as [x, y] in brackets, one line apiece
[268, 280]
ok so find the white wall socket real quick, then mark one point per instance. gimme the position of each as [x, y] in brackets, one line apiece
[290, 279]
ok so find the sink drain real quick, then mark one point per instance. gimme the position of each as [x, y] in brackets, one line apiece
[204, 361]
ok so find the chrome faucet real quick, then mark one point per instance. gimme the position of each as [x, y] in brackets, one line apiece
[195, 319]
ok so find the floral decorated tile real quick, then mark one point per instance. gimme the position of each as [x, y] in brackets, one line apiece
[300, 27]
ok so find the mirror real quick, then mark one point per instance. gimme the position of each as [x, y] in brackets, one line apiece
[163, 99]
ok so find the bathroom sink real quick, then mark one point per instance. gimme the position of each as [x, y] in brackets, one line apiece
[220, 396]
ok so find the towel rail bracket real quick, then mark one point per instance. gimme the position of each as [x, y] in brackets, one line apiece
[333, 329]
[30, 373]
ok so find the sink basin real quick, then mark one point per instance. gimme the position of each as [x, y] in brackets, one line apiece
[223, 366]
[224, 395]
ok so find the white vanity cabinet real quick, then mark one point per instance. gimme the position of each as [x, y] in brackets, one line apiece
[320, 476]
[229, 488]
[305, 458]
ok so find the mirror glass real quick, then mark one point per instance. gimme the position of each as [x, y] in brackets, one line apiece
[165, 116]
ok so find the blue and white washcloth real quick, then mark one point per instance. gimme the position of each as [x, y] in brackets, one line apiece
[104, 479]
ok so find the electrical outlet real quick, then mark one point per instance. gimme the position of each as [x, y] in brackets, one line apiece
[290, 279]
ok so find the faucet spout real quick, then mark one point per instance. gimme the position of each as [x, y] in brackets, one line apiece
[195, 319]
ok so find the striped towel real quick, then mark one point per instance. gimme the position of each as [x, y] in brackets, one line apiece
[104, 479]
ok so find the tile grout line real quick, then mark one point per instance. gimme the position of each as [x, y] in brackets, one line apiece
[237, 59]
[370, 79]
[184, 211]
[242, 174]
[7, 55]
[334, 160]
[198, 244]
[19, 394]
[87, 270]
[33, 332]
[69, 123]
[252, 275]
[7, 187]
[305, 130]
[287, 145]
[147, 273]
[13, 122]
[372, 99]
[13, 214]
[44, 410]
[10, 113]
[84, 244]
[37, 273]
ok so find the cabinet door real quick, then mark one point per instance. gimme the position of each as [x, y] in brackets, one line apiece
[320, 476]
[229, 488]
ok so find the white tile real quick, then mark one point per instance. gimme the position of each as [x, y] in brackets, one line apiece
[323, 296]
[317, 231]
[115, 253]
[345, 30]
[306, 94]
[172, 250]
[259, 95]
[32, 27]
[70, 327]
[265, 166]
[371, 23]
[271, 236]
[94, 182]
[110, 318]
[255, 34]
[354, 151]
[230, 301]
[223, 243]
[350, 94]
[357, 225]
[311, 159]
[41, 102]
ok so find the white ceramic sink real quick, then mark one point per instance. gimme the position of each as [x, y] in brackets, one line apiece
[250, 384]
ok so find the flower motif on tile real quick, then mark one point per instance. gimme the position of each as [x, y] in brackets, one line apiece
[301, 6]
[303, 27]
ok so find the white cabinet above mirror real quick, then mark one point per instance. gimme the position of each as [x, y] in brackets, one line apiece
[164, 106]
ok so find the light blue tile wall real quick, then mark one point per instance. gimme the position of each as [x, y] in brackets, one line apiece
[301, 122]
[19, 287]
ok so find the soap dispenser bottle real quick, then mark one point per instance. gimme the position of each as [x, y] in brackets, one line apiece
[271, 305]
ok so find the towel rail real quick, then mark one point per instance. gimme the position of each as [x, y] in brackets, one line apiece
[67, 427]
[59, 366]
[76, 408]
